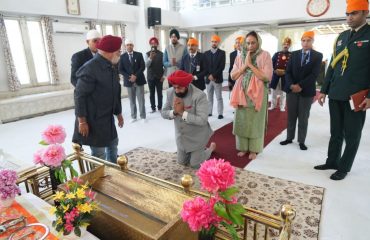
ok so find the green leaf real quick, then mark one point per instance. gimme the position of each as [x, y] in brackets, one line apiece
[54, 223]
[232, 230]
[77, 231]
[42, 142]
[66, 163]
[235, 211]
[58, 228]
[228, 193]
[74, 172]
[62, 175]
[221, 211]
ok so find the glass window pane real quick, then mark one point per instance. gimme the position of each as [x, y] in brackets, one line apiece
[17, 49]
[109, 30]
[98, 28]
[38, 51]
[119, 33]
[163, 40]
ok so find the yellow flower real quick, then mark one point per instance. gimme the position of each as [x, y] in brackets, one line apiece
[85, 224]
[85, 186]
[59, 221]
[85, 208]
[52, 210]
[65, 208]
[58, 195]
[70, 195]
[80, 193]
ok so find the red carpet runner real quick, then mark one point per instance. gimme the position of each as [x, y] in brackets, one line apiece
[225, 140]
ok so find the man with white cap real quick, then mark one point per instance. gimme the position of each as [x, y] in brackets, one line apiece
[132, 66]
[81, 57]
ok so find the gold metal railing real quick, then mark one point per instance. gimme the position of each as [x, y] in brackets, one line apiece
[257, 224]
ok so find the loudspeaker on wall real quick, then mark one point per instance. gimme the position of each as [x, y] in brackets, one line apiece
[154, 16]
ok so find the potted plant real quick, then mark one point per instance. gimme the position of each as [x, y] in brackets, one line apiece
[8, 187]
[74, 209]
[221, 208]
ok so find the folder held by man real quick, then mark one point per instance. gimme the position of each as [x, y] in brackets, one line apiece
[357, 99]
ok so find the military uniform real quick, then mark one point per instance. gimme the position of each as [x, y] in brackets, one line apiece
[348, 73]
[277, 85]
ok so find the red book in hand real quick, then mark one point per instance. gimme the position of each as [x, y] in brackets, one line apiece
[357, 99]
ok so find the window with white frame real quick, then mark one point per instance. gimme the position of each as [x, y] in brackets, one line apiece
[27, 46]
[108, 29]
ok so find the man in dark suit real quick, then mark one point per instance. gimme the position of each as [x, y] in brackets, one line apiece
[348, 73]
[81, 57]
[233, 54]
[301, 74]
[98, 99]
[195, 63]
[132, 66]
[216, 64]
[155, 70]
[280, 61]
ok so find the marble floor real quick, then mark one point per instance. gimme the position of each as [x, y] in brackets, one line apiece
[346, 207]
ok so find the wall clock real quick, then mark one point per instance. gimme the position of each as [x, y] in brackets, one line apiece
[317, 8]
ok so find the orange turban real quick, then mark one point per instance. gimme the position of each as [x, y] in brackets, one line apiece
[309, 34]
[193, 41]
[240, 39]
[357, 5]
[181, 78]
[215, 38]
[288, 41]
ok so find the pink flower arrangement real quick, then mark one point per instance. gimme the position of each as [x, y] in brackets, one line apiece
[199, 214]
[8, 186]
[54, 155]
[217, 177]
[54, 134]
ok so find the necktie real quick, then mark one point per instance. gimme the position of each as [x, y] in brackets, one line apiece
[130, 57]
[353, 32]
[192, 65]
[304, 59]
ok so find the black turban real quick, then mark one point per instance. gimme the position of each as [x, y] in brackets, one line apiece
[174, 31]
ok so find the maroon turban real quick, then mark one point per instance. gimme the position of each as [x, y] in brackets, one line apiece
[153, 39]
[181, 78]
[109, 43]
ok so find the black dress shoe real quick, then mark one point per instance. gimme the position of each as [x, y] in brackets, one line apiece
[324, 167]
[338, 175]
[286, 142]
[302, 146]
[220, 117]
[153, 111]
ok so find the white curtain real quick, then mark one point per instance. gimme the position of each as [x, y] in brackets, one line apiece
[13, 81]
[122, 26]
[48, 33]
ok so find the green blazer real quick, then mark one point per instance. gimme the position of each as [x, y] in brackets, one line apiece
[356, 76]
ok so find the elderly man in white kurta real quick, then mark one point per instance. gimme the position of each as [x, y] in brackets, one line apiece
[188, 107]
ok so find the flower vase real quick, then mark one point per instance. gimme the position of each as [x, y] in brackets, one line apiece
[6, 202]
[73, 236]
[203, 235]
[54, 181]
